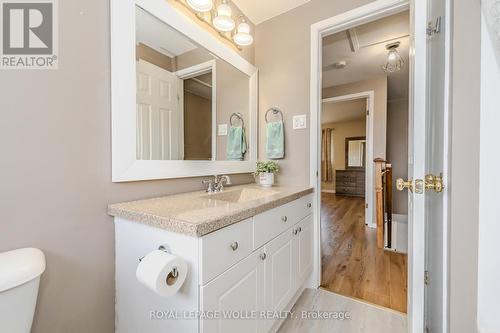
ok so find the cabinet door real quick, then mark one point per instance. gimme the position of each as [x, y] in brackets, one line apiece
[238, 291]
[304, 246]
[280, 273]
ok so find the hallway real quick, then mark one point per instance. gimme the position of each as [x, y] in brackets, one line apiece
[352, 265]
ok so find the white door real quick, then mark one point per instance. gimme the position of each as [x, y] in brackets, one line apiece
[240, 290]
[428, 148]
[436, 150]
[280, 273]
[159, 134]
[304, 249]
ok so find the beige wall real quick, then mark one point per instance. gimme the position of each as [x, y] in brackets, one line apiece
[282, 54]
[55, 143]
[397, 150]
[197, 127]
[154, 57]
[342, 131]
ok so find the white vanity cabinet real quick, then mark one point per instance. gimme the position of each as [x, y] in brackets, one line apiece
[269, 278]
[255, 266]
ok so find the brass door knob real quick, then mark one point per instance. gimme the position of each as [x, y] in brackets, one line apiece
[434, 183]
[401, 184]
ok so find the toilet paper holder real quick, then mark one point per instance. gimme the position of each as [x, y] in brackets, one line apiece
[175, 272]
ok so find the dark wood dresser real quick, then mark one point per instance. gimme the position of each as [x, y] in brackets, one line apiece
[350, 183]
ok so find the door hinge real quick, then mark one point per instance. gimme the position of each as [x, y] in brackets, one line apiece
[366, 206]
[432, 30]
[426, 278]
[367, 113]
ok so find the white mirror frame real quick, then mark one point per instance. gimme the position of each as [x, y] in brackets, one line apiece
[125, 166]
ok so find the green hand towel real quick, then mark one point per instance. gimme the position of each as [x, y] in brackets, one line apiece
[236, 143]
[275, 142]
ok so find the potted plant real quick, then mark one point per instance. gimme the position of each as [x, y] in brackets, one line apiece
[265, 171]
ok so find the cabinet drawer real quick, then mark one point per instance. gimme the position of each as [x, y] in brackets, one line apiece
[223, 248]
[273, 222]
[346, 184]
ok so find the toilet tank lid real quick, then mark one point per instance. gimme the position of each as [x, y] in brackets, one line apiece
[20, 266]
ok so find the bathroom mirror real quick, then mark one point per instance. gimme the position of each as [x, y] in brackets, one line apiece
[355, 152]
[184, 103]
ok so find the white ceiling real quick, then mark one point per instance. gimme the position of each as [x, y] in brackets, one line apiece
[259, 11]
[337, 112]
[369, 41]
[160, 36]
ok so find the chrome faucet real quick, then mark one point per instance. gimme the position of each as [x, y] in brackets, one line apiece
[217, 183]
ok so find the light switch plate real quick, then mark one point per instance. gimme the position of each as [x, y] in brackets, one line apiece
[222, 129]
[300, 121]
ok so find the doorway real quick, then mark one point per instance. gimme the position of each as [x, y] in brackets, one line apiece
[417, 77]
[360, 259]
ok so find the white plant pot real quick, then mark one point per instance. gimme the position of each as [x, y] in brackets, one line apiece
[266, 179]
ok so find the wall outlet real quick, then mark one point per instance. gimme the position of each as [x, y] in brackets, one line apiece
[222, 129]
[300, 121]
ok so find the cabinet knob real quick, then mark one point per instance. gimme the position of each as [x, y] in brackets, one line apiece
[309, 205]
[234, 246]
[284, 218]
[263, 256]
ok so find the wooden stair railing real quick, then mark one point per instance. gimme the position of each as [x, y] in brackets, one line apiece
[383, 201]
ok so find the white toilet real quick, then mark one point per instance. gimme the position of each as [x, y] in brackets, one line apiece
[20, 272]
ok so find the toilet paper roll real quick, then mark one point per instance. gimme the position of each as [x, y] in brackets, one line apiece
[156, 271]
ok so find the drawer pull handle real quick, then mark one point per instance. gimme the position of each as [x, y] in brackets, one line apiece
[295, 231]
[262, 256]
[284, 219]
[234, 246]
[309, 205]
[300, 229]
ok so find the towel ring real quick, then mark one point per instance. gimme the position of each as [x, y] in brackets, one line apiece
[275, 111]
[239, 116]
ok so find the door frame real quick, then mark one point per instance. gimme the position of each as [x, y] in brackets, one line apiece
[199, 69]
[370, 180]
[416, 231]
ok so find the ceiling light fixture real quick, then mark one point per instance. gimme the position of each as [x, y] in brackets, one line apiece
[201, 6]
[394, 61]
[220, 20]
[242, 37]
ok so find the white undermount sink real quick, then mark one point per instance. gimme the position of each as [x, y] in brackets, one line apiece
[242, 195]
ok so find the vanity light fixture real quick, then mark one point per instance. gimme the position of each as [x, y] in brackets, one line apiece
[242, 37]
[201, 6]
[223, 21]
[394, 61]
[220, 19]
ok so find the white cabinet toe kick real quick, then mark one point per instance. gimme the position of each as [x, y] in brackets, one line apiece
[241, 278]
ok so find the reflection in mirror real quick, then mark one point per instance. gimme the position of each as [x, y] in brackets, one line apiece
[355, 152]
[185, 97]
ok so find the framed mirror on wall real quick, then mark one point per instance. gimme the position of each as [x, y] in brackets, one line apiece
[174, 97]
[355, 153]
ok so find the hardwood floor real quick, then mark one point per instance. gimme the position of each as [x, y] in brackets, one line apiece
[352, 265]
[363, 317]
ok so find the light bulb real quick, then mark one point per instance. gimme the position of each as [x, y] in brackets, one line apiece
[223, 21]
[200, 5]
[392, 56]
[243, 37]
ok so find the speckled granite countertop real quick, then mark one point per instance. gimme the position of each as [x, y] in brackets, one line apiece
[199, 213]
